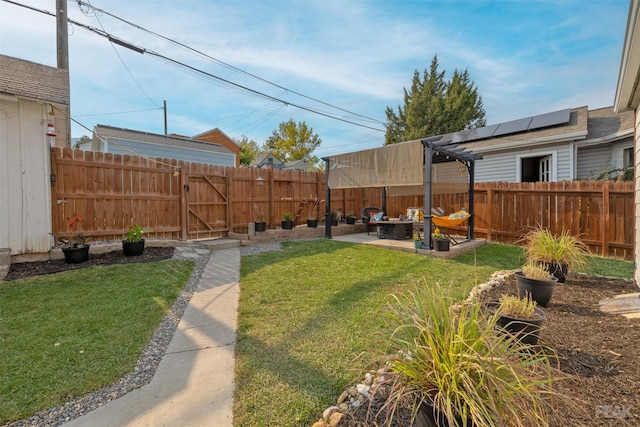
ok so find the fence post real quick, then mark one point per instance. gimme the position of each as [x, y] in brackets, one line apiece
[184, 185]
[605, 220]
[488, 212]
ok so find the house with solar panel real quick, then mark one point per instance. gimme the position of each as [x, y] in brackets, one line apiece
[569, 144]
[108, 139]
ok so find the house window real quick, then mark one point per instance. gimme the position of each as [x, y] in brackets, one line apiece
[535, 169]
[627, 157]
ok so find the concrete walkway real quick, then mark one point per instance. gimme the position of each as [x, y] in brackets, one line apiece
[193, 384]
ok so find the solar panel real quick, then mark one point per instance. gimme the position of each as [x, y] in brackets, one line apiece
[460, 135]
[513, 126]
[550, 119]
[479, 133]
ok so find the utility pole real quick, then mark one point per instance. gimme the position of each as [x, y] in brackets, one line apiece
[62, 47]
[62, 34]
[165, 117]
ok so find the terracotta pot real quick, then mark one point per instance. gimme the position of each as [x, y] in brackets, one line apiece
[541, 291]
[133, 248]
[76, 255]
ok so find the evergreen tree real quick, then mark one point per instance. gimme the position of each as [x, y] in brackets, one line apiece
[434, 106]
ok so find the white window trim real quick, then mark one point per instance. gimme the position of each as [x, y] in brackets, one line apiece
[554, 163]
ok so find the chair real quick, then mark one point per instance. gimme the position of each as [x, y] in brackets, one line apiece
[451, 220]
[369, 214]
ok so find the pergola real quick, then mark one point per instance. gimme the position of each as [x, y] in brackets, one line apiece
[405, 168]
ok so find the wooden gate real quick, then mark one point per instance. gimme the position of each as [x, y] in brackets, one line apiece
[207, 206]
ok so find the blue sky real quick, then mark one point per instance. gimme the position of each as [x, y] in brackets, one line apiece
[526, 57]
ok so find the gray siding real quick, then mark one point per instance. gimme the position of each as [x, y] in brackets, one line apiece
[503, 166]
[592, 161]
[165, 151]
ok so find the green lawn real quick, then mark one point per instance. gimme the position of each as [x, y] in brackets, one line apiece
[309, 318]
[67, 334]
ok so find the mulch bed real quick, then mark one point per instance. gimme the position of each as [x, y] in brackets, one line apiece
[600, 353]
[28, 269]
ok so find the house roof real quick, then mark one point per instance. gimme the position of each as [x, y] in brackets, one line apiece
[605, 122]
[300, 164]
[574, 129]
[215, 132]
[32, 80]
[627, 91]
[262, 159]
[134, 135]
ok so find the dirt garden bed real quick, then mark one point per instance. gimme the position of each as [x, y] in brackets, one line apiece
[599, 351]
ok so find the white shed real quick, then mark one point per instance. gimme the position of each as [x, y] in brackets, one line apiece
[34, 101]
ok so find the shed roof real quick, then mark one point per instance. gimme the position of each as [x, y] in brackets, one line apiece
[33, 80]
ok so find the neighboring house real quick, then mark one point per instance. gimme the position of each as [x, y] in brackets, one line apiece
[561, 145]
[268, 160]
[216, 136]
[298, 165]
[627, 98]
[107, 139]
[32, 97]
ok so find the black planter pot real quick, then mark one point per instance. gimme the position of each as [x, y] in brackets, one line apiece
[351, 220]
[261, 225]
[428, 416]
[312, 223]
[441, 245]
[133, 248]
[76, 255]
[559, 270]
[334, 222]
[525, 330]
[287, 225]
[541, 291]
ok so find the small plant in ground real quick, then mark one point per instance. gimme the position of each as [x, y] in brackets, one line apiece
[536, 272]
[519, 308]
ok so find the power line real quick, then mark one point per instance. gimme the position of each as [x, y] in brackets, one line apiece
[120, 57]
[230, 85]
[239, 70]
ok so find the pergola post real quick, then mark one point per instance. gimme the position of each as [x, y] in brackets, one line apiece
[327, 204]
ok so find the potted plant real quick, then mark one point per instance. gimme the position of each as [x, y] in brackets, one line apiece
[74, 245]
[520, 317]
[334, 217]
[536, 281]
[260, 224]
[557, 254]
[351, 217]
[133, 242]
[417, 240]
[312, 216]
[287, 221]
[458, 369]
[440, 242]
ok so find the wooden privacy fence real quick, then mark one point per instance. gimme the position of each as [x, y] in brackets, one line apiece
[180, 200]
[600, 213]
